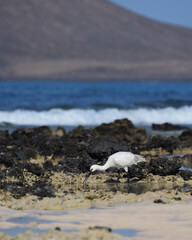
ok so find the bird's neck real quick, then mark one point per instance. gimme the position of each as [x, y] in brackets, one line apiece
[103, 168]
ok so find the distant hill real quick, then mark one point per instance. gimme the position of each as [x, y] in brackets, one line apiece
[89, 39]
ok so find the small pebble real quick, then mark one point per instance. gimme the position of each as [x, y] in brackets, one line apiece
[159, 201]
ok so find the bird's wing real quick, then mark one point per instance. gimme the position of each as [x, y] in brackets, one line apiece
[124, 159]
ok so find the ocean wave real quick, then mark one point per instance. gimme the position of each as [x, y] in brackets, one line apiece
[73, 117]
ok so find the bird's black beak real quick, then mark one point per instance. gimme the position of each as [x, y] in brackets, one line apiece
[86, 177]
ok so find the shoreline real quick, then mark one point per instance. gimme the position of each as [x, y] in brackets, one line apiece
[100, 190]
[42, 163]
[42, 171]
[148, 221]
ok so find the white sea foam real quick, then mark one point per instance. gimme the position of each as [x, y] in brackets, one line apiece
[72, 117]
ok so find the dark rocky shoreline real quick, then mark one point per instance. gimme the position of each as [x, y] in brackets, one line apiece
[30, 157]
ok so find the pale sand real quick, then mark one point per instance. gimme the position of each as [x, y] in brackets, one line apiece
[153, 221]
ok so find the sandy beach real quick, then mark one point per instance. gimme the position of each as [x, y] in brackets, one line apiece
[134, 221]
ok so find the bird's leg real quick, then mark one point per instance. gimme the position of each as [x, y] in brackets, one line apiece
[127, 171]
[118, 177]
[128, 177]
[86, 177]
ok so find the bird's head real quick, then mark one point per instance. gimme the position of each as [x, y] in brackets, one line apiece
[93, 168]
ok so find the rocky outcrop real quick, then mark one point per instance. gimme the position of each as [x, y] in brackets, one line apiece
[29, 158]
[102, 147]
[122, 129]
[167, 127]
[165, 166]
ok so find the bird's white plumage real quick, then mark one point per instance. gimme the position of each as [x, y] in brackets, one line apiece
[119, 160]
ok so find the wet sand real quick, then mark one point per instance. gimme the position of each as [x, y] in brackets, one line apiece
[161, 214]
[141, 220]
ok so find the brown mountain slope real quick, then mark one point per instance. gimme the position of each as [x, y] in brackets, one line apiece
[89, 39]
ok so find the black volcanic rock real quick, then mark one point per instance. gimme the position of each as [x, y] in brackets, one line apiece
[169, 144]
[140, 170]
[186, 135]
[30, 157]
[167, 127]
[6, 160]
[165, 166]
[42, 189]
[122, 129]
[185, 139]
[93, 39]
[105, 146]
[4, 136]
[33, 168]
[185, 174]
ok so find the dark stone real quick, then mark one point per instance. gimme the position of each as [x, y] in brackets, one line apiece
[140, 135]
[29, 152]
[140, 170]
[57, 228]
[177, 198]
[185, 174]
[159, 201]
[105, 146]
[169, 144]
[79, 164]
[165, 166]
[48, 166]
[4, 137]
[84, 162]
[17, 189]
[44, 142]
[16, 171]
[6, 160]
[33, 168]
[185, 188]
[111, 181]
[186, 135]
[122, 129]
[3, 174]
[167, 127]
[122, 126]
[71, 191]
[100, 228]
[42, 189]
[81, 134]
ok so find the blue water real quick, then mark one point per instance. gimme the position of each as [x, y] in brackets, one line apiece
[38, 103]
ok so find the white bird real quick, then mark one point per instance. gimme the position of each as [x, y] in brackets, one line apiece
[118, 160]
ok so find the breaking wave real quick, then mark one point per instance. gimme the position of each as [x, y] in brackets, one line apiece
[73, 117]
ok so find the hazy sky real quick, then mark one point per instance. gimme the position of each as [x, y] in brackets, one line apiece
[172, 11]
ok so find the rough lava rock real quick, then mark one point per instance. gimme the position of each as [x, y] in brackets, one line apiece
[165, 166]
[185, 174]
[29, 158]
[122, 129]
[186, 135]
[154, 142]
[167, 127]
[140, 170]
[102, 147]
